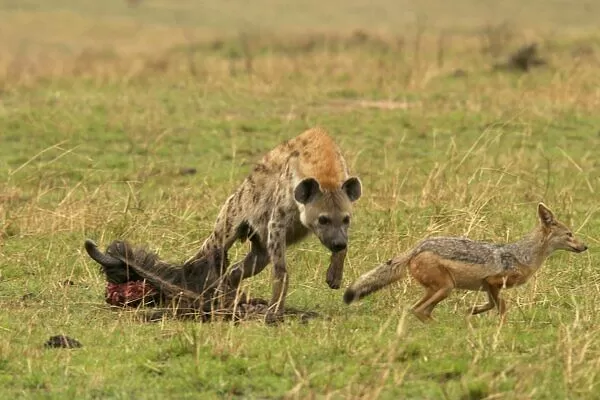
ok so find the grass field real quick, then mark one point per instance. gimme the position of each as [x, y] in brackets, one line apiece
[101, 107]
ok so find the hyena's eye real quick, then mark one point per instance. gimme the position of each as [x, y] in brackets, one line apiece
[323, 220]
[569, 234]
[346, 220]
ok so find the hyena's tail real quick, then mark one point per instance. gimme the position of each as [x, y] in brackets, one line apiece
[379, 277]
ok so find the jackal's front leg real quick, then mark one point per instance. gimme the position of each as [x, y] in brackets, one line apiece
[494, 300]
[336, 269]
[276, 249]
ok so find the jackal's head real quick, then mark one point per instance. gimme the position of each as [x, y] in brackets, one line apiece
[327, 212]
[557, 235]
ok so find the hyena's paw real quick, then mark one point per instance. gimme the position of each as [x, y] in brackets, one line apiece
[273, 318]
[334, 276]
[234, 278]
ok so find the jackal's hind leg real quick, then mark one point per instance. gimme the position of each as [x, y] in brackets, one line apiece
[436, 279]
[428, 294]
[424, 310]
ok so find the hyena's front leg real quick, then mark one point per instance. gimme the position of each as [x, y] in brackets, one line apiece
[276, 249]
[336, 269]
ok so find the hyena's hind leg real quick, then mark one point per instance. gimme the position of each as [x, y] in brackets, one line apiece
[252, 264]
[225, 232]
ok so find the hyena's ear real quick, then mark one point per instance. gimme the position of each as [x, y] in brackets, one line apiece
[353, 188]
[546, 216]
[306, 190]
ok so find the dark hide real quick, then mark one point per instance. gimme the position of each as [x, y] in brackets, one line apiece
[196, 288]
[190, 288]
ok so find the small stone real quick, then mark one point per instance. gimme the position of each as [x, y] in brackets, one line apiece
[62, 341]
[188, 171]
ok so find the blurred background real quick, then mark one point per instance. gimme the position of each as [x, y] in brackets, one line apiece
[59, 37]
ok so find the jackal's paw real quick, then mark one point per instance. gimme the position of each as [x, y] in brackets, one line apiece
[425, 318]
[273, 318]
[474, 310]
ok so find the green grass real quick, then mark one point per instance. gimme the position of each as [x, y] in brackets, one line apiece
[92, 136]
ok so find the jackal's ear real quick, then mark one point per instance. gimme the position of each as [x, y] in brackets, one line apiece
[546, 216]
[306, 190]
[353, 188]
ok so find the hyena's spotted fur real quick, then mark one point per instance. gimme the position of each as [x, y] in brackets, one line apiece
[301, 186]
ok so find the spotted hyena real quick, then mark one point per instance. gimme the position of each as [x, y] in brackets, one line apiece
[301, 186]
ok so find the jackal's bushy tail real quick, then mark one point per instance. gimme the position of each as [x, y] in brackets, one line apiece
[379, 277]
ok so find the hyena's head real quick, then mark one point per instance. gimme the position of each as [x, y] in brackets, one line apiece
[327, 212]
[557, 235]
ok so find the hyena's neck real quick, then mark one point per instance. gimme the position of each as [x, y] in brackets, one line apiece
[531, 250]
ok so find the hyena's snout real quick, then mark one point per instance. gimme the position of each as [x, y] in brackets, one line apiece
[335, 238]
[338, 246]
[338, 241]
